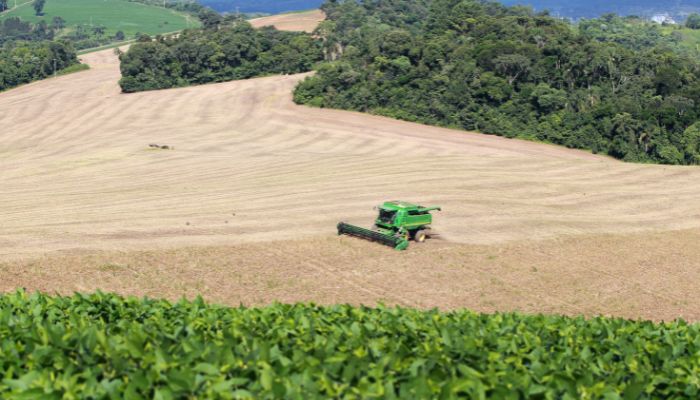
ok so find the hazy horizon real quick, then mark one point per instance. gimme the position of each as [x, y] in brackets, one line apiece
[594, 8]
[571, 9]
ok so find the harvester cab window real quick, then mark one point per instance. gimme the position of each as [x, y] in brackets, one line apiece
[386, 216]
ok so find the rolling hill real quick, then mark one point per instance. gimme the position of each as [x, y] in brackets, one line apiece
[572, 9]
[240, 208]
[526, 226]
[114, 15]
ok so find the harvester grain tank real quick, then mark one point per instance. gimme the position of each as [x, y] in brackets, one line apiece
[397, 224]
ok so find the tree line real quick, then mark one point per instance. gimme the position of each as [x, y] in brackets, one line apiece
[230, 48]
[631, 32]
[693, 21]
[23, 62]
[508, 71]
[192, 6]
[13, 28]
[81, 36]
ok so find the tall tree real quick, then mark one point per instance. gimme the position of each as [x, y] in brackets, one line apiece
[39, 7]
[693, 21]
[58, 23]
[210, 18]
[42, 31]
[99, 30]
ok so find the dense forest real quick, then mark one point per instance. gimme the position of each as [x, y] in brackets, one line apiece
[509, 71]
[22, 62]
[228, 49]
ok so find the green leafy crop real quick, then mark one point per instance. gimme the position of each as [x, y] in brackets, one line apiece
[105, 346]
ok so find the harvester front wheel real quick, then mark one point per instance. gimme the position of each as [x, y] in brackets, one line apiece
[420, 236]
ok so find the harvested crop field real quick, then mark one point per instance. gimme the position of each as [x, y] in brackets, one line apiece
[651, 276]
[243, 207]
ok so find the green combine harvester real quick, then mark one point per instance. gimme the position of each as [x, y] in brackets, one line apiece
[398, 222]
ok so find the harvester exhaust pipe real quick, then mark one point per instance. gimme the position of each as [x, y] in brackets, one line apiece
[397, 242]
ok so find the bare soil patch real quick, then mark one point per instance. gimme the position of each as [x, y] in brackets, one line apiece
[305, 21]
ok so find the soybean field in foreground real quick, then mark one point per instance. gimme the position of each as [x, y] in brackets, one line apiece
[104, 346]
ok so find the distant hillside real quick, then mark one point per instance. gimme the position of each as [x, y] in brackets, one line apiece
[112, 15]
[574, 9]
[266, 6]
[593, 8]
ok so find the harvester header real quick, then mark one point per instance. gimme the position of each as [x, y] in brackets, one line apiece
[397, 223]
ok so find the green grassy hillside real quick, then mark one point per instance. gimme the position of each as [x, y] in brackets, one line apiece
[104, 346]
[114, 15]
[17, 3]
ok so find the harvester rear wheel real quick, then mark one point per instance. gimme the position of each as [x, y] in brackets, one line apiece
[420, 236]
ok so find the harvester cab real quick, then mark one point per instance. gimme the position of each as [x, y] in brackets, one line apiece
[398, 222]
